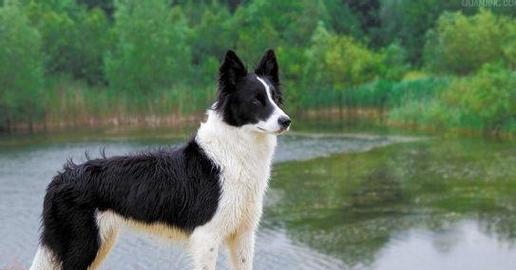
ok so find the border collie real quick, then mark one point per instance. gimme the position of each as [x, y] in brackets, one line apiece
[208, 192]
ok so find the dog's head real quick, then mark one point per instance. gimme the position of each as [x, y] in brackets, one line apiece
[251, 100]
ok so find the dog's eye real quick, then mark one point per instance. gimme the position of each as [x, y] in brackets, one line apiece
[276, 98]
[258, 100]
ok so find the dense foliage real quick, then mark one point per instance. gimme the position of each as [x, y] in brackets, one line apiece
[20, 68]
[68, 60]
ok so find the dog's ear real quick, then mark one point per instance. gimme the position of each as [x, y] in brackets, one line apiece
[231, 70]
[268, 66]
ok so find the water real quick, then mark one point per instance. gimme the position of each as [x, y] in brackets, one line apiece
[337, 201]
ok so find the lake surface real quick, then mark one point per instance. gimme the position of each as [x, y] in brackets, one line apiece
[337, 200]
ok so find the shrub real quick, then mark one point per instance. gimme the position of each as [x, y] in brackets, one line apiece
[486, 100]
[483, 101]
[461, 44]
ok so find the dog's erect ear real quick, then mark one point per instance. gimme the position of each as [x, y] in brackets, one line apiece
[231, 70]
[268, 66]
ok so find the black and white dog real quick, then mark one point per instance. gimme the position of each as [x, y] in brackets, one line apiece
[207, 193]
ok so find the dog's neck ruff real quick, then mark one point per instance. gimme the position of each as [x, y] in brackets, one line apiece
[232, 147]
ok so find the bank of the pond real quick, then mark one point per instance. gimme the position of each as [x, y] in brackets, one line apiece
[482, 103]
[118, 121]
[382, 118]
[371, 118]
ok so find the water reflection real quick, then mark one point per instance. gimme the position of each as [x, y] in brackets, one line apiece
[356, 206]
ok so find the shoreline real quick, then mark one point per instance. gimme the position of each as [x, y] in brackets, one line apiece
[377, 117]
[126, 122]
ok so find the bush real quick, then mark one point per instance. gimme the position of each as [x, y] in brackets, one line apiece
[484, 101]
[461, 44]
[487, 99]
[20, 68]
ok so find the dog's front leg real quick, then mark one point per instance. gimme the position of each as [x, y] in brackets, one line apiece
[204, 247]
[241, 247]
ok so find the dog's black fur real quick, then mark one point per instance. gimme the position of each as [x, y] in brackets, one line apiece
[177, 187]
[249, 104]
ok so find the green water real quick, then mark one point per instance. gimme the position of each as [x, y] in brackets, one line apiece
[354, 206]
[340, 198]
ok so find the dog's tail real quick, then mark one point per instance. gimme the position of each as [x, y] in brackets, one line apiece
[45, 260]
[70, 237]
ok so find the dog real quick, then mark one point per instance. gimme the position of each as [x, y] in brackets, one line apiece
[207, 193]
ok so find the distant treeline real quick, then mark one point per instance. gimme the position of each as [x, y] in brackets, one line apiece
[429, 62]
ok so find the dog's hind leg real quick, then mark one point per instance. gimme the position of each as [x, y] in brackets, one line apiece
[108, 225]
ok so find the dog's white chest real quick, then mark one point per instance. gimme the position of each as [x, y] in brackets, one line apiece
[245, 164]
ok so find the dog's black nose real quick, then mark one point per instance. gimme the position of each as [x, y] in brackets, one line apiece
[284, 122]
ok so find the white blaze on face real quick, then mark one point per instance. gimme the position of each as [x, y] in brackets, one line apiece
[271, 125]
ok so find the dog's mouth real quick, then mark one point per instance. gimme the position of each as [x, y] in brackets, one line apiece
[277, 132]
[282, 130]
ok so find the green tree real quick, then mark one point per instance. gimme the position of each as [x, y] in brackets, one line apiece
[263, 24]
[486, 99]
[213, 35]
[208, 40]
[74, 38]
[340, 61]
[106, 5]
[408, 21]
[20, 68]
[462, 44]
[342, 19]
[150, 52]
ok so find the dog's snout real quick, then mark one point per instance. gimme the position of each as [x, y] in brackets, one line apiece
[284, 122]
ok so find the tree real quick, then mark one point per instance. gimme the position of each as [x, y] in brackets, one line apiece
[150, 52]
[106, 5]
[263, 24]
[461, 44]
[213, 35]
[408, 21]
[340, 61]
[74, 39]
[367, 14]
[20, 67]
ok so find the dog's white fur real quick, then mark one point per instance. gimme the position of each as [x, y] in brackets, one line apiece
[45, 260]
[245, 158]
[244, 155]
